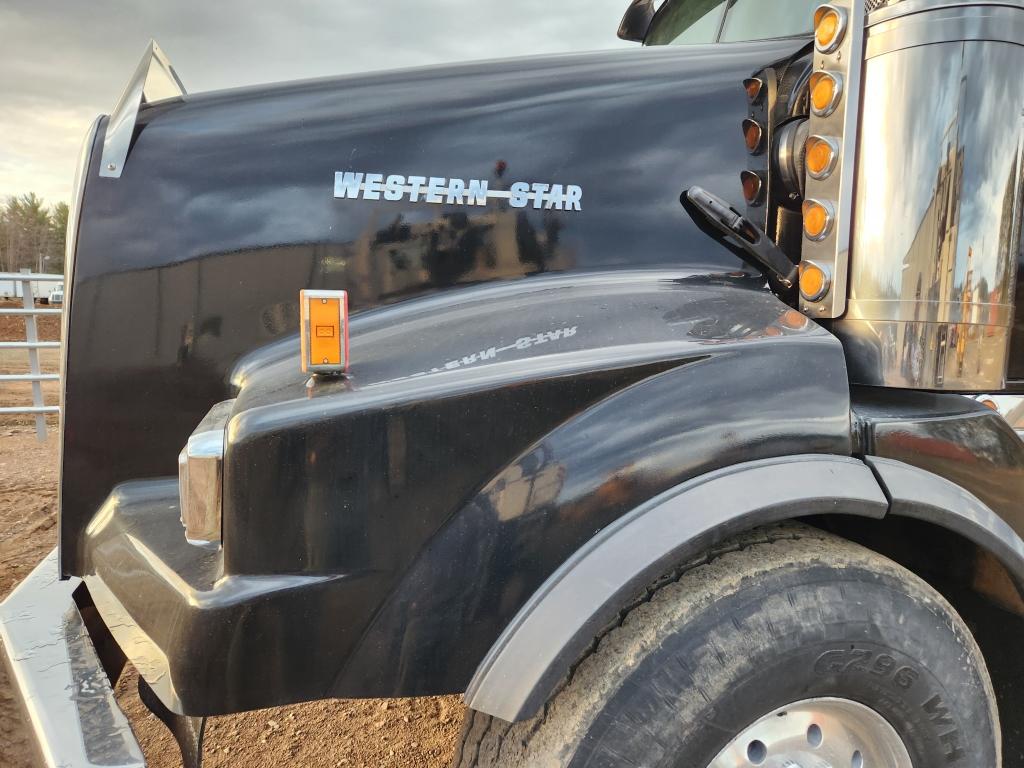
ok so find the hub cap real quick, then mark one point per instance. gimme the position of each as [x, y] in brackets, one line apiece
[817, 733]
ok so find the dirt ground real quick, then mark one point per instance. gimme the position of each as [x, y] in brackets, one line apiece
[400, 732]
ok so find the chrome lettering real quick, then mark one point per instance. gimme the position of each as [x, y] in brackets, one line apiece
[416, 182]
[372, 188]
[347, 184]
[456, 189]
[394, 188]
[435, 189]
[438, 190]
[573, 198]
[538, 194]
[477, 192]
[520, 194]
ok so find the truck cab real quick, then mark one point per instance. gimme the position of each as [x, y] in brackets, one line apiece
[621, 392]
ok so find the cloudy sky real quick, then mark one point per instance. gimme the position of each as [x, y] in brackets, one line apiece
[62, 62]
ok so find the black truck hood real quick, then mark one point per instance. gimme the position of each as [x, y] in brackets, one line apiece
[194, 257]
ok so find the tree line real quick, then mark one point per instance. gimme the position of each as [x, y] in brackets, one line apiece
[32, 234]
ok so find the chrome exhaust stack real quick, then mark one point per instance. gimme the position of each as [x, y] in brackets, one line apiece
[923, 267]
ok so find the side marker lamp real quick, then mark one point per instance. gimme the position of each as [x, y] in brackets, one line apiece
[753, 135]
[826, 90]
[818, 217]
[753, 187]
[814, 281]
[324, 331]
[754, 86]
[822, 154]
[829, 28]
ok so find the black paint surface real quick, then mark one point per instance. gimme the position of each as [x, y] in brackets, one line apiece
[195, 256]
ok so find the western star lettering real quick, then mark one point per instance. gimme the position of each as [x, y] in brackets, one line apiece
[349, 185]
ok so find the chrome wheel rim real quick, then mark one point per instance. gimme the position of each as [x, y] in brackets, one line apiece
[817, 733]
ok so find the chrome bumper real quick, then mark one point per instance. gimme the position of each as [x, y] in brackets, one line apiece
[52, 664]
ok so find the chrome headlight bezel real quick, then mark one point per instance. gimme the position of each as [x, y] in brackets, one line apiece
[201, 478]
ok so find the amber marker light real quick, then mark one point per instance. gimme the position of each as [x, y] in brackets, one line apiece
[754, 86]
[814, 281]
[753, 135]
[752, 187]
[817, 219]
[793, 320]
[822, 153]
[826, 88]
[829, 28]
[324, 334]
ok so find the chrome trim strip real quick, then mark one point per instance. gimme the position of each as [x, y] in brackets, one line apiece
[65, 693]
[154, 79]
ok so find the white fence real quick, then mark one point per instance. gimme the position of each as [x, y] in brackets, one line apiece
[12, 288]
[27, 288]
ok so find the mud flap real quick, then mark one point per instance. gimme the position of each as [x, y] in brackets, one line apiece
[187, 731]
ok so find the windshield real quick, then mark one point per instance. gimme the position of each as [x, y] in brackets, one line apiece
[697, 22]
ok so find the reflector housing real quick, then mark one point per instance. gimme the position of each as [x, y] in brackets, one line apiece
[753, 135]
[753, 187]
[814, 281]
[822, 154]
[829, 28]
[324, 321]
[826, 90]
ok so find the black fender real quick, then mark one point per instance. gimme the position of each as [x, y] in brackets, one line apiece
[730, 398]
[388, 526]
[923, 495]
[553, 629]
[555, 626]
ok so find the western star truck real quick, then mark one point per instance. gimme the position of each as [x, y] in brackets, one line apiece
[623, 393]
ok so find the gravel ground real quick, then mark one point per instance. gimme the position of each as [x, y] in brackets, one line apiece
[399, 732]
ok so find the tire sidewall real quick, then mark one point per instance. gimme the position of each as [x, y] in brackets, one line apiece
[798, 633]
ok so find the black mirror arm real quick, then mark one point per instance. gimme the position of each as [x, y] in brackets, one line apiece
[720, 221]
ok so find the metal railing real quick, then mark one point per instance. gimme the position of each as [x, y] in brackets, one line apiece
[32, 345]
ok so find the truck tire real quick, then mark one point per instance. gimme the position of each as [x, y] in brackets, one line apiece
[786, 643]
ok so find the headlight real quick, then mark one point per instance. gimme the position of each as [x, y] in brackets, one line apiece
[200, 477]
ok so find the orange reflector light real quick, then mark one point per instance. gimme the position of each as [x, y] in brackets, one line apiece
[822, 153]
[817, 219]
[829, 27]
[814, 281]
[753, 134]
[826, 88]
[753, 86]
[324, 338]
[752, 187]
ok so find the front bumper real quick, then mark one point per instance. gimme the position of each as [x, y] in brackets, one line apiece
[209, 643]
[53, 666]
